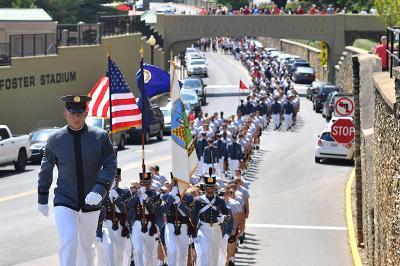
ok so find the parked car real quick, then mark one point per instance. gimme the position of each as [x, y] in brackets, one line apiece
[312, 89]
[166, 111]
[197, 85]
[296, 65]
[304, 75]
[328, 106]
[155, 129]
[295, 60]
[197, 67]
[39, 139]
[14, 149]
[119, 138]
[327, 147]
[321, 96]
[191, 98]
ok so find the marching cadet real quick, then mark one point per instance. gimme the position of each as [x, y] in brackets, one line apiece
[235, 155]
[200, 145]
[249, 106]
[86, 165]
[241, 108]
[276, 113]
[288, 111]
[144, 217]
[208, 213]
[178, 226]
[222, 153]
[118, 248]
[210, 156]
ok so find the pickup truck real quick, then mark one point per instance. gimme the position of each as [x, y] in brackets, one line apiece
[14, 149]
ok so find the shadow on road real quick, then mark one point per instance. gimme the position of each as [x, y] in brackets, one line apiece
[7, 173]
[247, 251]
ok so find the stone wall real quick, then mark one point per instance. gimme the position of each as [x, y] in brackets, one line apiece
[343, 69]
[304, 51]
[386, 142]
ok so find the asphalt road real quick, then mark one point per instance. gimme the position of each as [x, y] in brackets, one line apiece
[296, 208]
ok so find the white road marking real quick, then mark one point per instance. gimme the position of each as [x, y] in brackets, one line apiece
[300, 227]
[222, 86]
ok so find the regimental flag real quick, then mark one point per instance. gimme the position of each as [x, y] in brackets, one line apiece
[156, 80]
[183, 149]
[242, 86]
[125, 112]
[144, 101]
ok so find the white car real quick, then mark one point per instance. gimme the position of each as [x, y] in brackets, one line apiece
[328, 148]
[197, 67]
[14, 149]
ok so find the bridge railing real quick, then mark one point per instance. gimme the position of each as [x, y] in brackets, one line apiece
[392, 48]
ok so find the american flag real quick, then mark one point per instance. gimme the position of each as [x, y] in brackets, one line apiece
[125, 112]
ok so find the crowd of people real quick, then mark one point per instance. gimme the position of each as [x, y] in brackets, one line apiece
[276, 10]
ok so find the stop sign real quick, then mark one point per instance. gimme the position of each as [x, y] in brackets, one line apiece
[343, 131]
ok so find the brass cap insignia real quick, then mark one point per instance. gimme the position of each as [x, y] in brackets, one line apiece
[77, 99]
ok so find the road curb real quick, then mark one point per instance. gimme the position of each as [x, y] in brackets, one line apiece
[351, 236]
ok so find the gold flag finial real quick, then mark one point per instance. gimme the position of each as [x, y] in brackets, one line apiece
[108, 50]
[141, 51]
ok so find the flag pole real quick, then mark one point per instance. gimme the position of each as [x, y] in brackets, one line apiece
[142, 88]
[109, 95]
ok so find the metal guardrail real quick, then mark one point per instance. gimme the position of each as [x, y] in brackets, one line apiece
[78, 34]
[32, 44]
[392, 48]
[5, 57]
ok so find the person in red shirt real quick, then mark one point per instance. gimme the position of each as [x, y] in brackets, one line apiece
[313, 10]
[380, 50]
[203, 11]
[300, 10]
[191, 116]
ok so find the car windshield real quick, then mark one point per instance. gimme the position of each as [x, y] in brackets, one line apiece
[188, 98]
[42, 135]
[326, 136]
[191, 83]
[166, 112]
[197, 62]
[94, 122]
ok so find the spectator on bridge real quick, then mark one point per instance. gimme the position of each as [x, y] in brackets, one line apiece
[380, 51]
[313, 10]
[300, 10]
[330, 10]
[372, 11]
[203, 11]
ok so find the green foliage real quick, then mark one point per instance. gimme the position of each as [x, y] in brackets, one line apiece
[17, 3]
[365, 44]
[389, 11]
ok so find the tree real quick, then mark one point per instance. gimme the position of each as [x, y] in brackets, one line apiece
[280, 3]
[389, 11]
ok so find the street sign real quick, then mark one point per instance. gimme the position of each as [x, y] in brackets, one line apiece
[344, 106]
[343, 131]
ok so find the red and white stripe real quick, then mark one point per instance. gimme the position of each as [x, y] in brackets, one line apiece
[125, 111]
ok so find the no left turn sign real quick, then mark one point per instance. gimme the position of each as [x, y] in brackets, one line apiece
[344, 106]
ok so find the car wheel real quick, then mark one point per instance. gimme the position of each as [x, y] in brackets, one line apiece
[206, 75]
[317, 109]
[21, 162]
[317, 159]
[121, 144]
[203, 101]
[160, 135]
[147, 136]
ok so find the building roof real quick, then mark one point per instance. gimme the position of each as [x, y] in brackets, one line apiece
[24, 14]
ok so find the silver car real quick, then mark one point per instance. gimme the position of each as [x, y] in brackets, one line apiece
[197, 67]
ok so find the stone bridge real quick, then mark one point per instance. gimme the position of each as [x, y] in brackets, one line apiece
[180, 31]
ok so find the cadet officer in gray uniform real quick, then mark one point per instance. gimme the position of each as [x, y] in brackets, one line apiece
[86, 165]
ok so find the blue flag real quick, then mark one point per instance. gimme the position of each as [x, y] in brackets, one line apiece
[144, 102]
[156, 80]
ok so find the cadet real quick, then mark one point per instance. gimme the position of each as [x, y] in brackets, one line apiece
[276, 113]
[200, 145]
[222, 153]
[118, 247]
[144, 218]
[288, 111]
[210, 156]
[235, 155]
[209, 212]
[241, 108]
[86, 165]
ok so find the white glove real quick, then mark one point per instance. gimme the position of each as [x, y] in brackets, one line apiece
[93, 198]
[98, 240]
[142, 190]
[143, 196]
[177, 199]
[43, 209]
[226, 237]
[221, 218]
[174, 191]
[114, 194]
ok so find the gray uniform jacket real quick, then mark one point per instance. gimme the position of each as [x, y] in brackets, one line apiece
[86, 162]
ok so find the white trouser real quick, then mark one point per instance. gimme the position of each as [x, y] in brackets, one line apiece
[100, 256]
[209, 239]
[144, 246]
[288, 120]
[200, 166]
[264, 120]
[120, 247]
[177, 246]
[276, 118]
[233, 165]
[76, 229]
[223, 252]
[220, 166]
[206, 167]
[107, 241]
